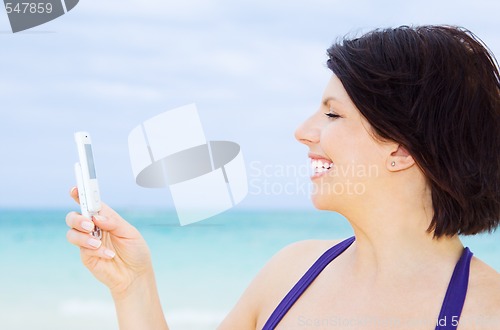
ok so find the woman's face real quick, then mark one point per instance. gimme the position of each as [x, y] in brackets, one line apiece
[345, 157]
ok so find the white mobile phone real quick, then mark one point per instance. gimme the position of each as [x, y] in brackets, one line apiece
[86, 180]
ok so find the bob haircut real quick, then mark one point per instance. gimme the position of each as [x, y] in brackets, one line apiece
[436, 91]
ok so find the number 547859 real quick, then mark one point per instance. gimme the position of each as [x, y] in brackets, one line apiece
[28, 7]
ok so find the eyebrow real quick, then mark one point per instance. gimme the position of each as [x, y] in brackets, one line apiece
[328, 99]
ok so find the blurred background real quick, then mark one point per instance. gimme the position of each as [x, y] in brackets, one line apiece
[256, 69]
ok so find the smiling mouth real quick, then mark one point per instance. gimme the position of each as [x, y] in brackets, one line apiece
[320, 166]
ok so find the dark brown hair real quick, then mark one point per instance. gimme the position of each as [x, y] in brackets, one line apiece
[436, 91]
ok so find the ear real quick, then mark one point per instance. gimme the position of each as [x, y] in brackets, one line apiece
[400, 159]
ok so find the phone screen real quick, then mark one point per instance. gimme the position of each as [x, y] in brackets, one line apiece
[90, 161]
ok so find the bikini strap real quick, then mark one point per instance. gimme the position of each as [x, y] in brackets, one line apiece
[306, 280]
[455, 295]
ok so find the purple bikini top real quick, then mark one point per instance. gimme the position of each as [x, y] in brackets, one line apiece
[450, 310]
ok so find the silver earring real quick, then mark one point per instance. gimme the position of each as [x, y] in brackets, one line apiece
[393, 164]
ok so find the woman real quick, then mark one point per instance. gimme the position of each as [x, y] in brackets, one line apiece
[419, 105]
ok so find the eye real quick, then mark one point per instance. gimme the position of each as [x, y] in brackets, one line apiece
[331, 114]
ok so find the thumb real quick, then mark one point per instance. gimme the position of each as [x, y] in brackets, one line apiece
[74, 194]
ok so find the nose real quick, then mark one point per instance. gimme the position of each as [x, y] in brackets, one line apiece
[307, 132]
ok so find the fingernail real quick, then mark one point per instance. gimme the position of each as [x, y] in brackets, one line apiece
[87, 225]
[94, 242]
[72, 189]
[109, 253]
[100, 217]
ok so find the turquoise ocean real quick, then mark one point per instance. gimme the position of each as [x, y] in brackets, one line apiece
[201, 269]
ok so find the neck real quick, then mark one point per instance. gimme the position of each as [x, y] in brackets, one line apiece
[396, 242]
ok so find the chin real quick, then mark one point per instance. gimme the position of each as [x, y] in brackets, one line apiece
[322, 202]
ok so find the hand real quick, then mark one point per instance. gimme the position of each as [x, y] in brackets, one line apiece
[120, 258]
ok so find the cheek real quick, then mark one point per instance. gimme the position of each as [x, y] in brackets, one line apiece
[345, 143]
[352, 149]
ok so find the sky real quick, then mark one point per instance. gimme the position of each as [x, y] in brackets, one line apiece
[255, 69]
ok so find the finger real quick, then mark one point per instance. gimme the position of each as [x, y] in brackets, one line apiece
[74, 194]
[110, 221]
[79, 222]
[83, 240]
[107, 220]
[101, 252]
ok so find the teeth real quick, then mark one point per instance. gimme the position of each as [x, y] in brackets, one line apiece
[319, 166]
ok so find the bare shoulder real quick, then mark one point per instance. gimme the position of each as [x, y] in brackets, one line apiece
[293, 260]
[274, 281]
[482, 305]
